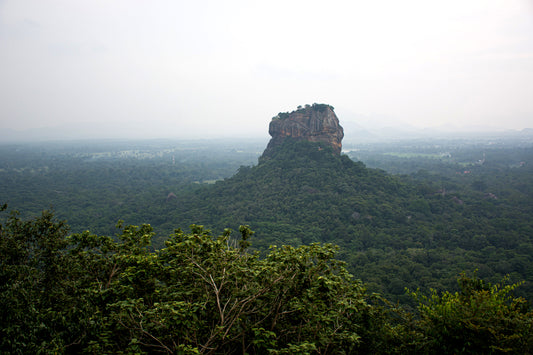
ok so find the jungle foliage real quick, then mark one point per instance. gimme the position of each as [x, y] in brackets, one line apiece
[457, 207]
[394, 231]
[72, 293]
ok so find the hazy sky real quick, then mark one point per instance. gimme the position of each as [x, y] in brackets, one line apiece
[203, 68]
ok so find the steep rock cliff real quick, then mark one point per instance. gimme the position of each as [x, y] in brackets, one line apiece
[313, 123]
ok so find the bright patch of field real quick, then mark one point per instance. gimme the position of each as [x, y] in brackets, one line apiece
[419, 155]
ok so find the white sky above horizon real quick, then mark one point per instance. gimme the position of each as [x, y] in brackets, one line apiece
[213, 68]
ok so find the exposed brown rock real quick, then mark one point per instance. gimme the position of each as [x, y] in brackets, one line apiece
[316, 123]
[171, 196]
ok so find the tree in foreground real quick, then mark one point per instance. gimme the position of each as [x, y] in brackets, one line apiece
[480, 318]
[200, 294]
[208, 295]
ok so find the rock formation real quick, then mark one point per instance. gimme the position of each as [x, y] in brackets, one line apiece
[313, 123]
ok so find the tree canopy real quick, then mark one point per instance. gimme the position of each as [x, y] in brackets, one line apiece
[200, 293]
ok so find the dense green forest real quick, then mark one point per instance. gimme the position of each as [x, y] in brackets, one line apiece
[449, 206]
[200, 294]
[93, 184]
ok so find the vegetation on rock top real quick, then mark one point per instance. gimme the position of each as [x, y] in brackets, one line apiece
[314, 107]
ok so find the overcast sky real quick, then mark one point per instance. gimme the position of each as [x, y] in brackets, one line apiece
[206, 68]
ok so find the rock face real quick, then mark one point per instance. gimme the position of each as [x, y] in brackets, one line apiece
[313, 123]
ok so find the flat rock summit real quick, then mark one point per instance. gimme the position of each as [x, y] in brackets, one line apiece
[313, 123]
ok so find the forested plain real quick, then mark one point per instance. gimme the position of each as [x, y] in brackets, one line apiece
[408, 218]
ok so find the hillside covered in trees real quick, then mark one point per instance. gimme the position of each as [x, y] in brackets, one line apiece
[447, 214]
[451, 242]
[393, 232]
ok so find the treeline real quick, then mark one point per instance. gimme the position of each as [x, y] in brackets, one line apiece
[315, 107]
[72, 293]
